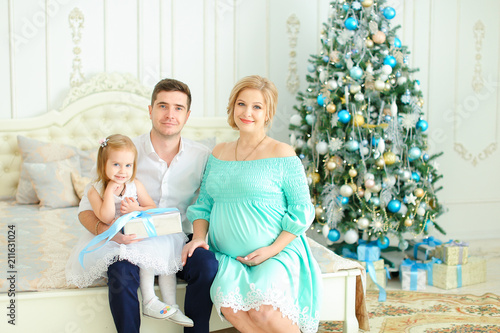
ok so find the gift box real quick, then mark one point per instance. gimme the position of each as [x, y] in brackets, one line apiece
[456, 276]
[158, 224]
[368, 251]
[413, 275]
[423, 249]
[379, 272]
[453, 253]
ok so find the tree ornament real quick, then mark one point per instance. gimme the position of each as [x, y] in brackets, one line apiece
[421, 211]
[369, 183]
[389, 158]
[378, 37]
[387, 69]
[359, 97]
[358, 120]
[315, 177]
[354, 88]
[389, 13]
[333, 235]
[311, 68]
[380, 162]
[321, 100]
[379, 85]
[325, 230]
[351, 23]
[408, 222]
[296, 120]
[391, 61]
[356, 72]
[363, 223]
[367, 3]
[346, 190]
[322, 147]
[331, 165]
[352, 145]
[383, 243]
[331, 108]
[402, 80]
[353, 173]
[310, 119]
[422, 125]
[369, 42]
[332, 85]
[419, 192]
[415, 176]
[405, 175]
[394, 206]
[318, 211]
[344, 116]
[351, 236]
[403, 245]
[414, 153]
[394, 108]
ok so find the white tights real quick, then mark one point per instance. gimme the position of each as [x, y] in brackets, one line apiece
[167, 283]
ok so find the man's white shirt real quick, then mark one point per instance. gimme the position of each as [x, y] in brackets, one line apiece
[174, 186]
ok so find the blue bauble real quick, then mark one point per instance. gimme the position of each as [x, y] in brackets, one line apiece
[356, 72]
[352, 145]
[309, 108]
[428, 224]
[403, 245]
[326, 59]
[389, 13]
[422, 125]
[397, 42]
[415, 176]
[414, 153]
[302, 156]
[311, 68]
[375, 201]
[345, 7]
[384, 243]
[321, 100]
[375, 141]
[390, 60]
[394, 206]
[333, 235]
[351, 23]
[387, 118]
[344, 200]
[425, 157]
[344, 116]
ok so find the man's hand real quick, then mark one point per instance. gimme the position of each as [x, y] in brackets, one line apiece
[188, 249]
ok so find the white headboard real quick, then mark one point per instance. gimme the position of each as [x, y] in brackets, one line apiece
[106, 104]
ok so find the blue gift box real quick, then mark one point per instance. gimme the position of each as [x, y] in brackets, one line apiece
[368, 252]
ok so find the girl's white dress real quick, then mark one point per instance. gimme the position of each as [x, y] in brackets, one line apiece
[160, 253]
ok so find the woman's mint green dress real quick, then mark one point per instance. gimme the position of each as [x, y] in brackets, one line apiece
[248, 204]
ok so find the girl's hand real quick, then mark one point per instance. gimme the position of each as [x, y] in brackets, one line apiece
[257, 257]
[129, 205]
[188, 249]
[125, 239]
[112, 186]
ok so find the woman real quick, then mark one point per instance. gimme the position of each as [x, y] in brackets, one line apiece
[254, 204]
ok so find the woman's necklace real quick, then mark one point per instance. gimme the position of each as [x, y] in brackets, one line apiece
[236, 149]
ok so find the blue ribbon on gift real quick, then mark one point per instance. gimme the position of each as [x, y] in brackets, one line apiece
[430, 241]
[107, 235]
[370, 268]
[429, 265]
[414, 267]
[459, 276]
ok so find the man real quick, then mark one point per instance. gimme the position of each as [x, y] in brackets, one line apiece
[171, 168]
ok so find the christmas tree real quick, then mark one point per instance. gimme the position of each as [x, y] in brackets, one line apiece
[360, 131]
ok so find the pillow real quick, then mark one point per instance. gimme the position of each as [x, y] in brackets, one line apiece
[79, 183]
[35, 151]
[52, 182]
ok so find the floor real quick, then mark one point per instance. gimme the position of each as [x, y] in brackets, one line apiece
[485, 248]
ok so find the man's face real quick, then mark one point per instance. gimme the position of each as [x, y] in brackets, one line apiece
[169, 113]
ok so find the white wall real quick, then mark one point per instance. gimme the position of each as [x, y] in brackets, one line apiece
[210, 44]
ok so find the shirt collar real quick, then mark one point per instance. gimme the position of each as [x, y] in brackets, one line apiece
[149, 149]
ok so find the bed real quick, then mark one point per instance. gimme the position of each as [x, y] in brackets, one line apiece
[45, 163]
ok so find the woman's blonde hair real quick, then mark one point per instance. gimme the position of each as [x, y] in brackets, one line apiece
[113, 142]
[265, 86]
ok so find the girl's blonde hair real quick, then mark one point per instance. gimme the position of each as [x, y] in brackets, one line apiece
[265, 86]
[113, 142]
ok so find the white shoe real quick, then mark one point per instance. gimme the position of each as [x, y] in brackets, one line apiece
[157, 309]
[180, 318]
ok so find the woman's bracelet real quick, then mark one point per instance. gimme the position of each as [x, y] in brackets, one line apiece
[96, 226]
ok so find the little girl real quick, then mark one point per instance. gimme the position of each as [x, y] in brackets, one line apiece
[114, 193]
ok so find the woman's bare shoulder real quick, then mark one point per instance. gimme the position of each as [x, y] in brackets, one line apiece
[220, 149]
[282, 149]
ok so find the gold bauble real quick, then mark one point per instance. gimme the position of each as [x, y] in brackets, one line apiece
[331, 108]
[319, 210]
[369, 43]
[380, 162]
[353, 173]
[418, 192]
[389, 157]
[367, 3]
[420, 102]
[358, 120]
[315, 177]
[339, 162]
[331, 165]
[361, 192]
[355, 88]
[378, 37]
[408, 222]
